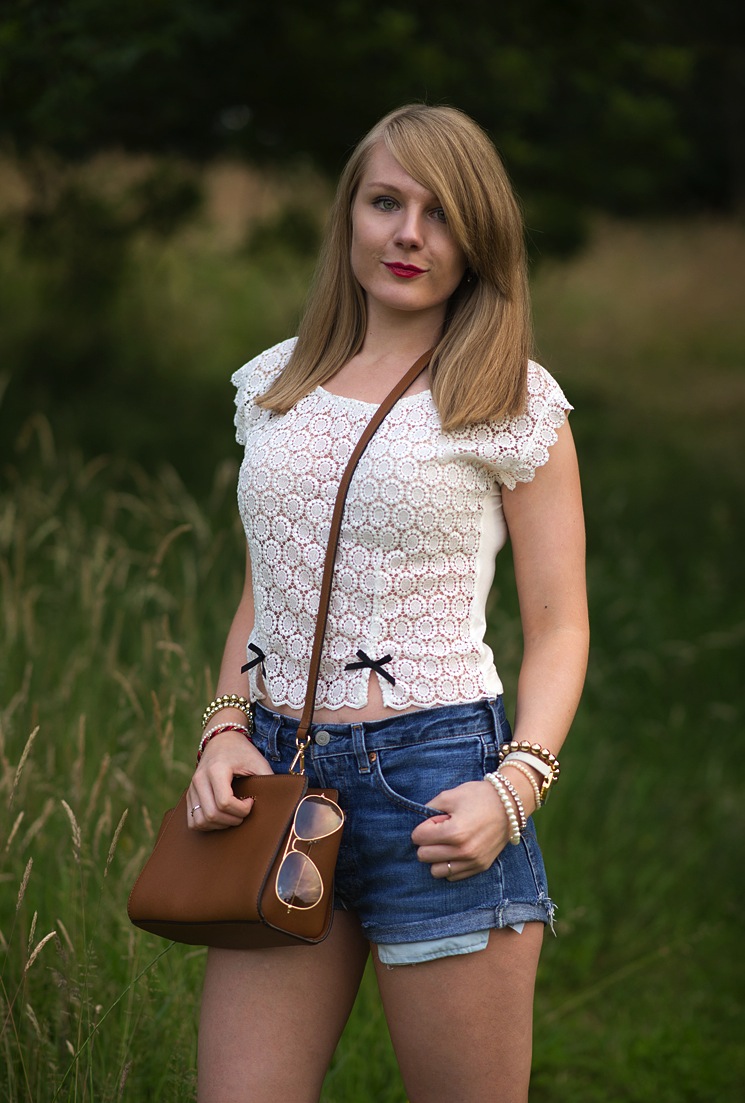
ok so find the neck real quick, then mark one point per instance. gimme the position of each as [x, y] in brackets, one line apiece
[400, 335]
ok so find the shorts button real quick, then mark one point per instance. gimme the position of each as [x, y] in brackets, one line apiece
[372, 757]
[322, 738]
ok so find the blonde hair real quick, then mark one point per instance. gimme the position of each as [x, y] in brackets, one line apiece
[479, 366]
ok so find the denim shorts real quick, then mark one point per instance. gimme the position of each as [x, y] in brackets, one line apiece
[385, 772]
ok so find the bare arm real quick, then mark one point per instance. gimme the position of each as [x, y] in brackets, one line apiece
[546, 527]
[229, 754]
[548, 540]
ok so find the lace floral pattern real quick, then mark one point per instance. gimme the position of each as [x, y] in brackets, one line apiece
[421, 528]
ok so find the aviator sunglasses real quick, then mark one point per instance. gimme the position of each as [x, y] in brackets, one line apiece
[299, 884]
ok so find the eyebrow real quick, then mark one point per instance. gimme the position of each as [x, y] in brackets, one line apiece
[383, 185]
[379, 185]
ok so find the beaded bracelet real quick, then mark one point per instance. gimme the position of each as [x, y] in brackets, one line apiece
[227, 701]
[498, 784]
[540, 757]
[217, 730]
[519, 765]
[518, 803]
[536, 763]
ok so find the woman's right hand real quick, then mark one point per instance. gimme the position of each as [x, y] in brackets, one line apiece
[211, 804]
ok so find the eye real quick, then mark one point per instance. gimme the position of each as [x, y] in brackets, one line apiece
[385, 203]
[439, 214]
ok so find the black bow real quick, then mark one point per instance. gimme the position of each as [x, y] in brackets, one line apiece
[260, 656]
[373, 664]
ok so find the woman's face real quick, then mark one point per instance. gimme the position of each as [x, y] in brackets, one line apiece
[403, 253]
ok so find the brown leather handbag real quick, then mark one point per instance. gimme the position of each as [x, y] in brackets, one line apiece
[268, 881]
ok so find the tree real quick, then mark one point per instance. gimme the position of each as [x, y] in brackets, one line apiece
[604, 105]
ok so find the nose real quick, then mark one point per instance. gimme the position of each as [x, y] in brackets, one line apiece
[409, 231]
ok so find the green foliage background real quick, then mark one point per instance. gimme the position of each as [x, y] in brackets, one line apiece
[117, 581]
[124, 307]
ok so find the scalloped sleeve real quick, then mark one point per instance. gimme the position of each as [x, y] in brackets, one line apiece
[253, 379]
[523, 441]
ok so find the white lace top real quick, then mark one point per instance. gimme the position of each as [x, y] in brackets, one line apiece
[422, 526]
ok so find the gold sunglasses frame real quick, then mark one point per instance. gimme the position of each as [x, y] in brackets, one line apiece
[290, 848]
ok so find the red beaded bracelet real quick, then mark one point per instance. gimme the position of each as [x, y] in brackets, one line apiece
[217, 730]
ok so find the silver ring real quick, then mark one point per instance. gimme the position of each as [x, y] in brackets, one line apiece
[194, 808]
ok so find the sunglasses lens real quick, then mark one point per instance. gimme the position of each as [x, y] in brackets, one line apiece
[316, 818]
[299, 882]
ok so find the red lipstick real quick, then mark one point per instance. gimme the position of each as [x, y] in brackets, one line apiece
[404, 271]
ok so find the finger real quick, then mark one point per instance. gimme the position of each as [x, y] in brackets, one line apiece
[207, 810]
[442, 871]
[446, 871]
[430, 831]
[436, 853]
[452, 871]
[216, 822]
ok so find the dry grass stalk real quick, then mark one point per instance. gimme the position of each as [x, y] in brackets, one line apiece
[78, 766]
[134, 866]
[31, 1015]
[158, 715]
[96, 787]
[21, 696]
[22, 763]
[129, 690]
[38, 425]
[176, 649]
[10, 608]
[164, 730]
[38, 823]
[66, 936]
[103, 826]
[76, 839]
[16, 824]
[123, 1079]
[38, 948]
[28, 610]
[31, 933]
[115, 840]
[24, 883]
[164, 546]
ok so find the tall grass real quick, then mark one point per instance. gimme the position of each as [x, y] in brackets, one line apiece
[116, 586]
[112, 585]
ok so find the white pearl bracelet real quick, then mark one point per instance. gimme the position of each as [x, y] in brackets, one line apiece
[516, 797]
[526, 773]
[498, 783]
[548, 771]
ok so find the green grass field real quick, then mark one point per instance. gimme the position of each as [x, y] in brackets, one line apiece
[118, 580]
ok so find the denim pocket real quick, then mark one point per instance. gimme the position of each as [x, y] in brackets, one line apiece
[411, 776]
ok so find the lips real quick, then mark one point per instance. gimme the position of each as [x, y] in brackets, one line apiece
[405, 271]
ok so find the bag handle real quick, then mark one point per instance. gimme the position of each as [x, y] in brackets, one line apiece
[303, 740]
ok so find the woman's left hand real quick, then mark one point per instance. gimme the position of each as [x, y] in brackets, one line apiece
[468, 837]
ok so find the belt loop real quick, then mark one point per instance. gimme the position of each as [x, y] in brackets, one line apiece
[360, 750]
[272, 739]
[502, 730]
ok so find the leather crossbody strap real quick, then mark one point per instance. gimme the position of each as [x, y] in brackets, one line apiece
[303, 738]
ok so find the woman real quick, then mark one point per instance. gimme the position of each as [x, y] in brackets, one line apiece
[424, 250]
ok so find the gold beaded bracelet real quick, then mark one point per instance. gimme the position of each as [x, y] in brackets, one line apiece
[228, 701]
[544, 761]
